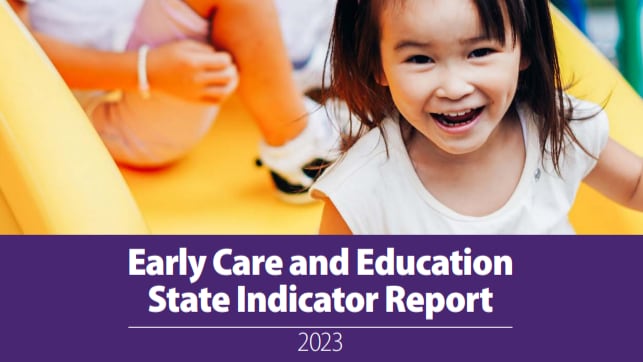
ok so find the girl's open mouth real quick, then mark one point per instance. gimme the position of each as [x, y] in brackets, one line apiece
[457, 119]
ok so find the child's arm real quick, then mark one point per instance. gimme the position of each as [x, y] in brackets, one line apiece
[619, 176]
[332, 222]
[187, 69]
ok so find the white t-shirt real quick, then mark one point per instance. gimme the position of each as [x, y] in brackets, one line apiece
[305, 24]
[107, 24]
[376, 194]
[100, 24]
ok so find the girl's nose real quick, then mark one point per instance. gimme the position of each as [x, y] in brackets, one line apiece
[453, 86]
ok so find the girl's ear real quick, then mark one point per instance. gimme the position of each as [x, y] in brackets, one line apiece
[380, 78]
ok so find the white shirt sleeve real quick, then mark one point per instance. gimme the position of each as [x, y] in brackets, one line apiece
[591, 128]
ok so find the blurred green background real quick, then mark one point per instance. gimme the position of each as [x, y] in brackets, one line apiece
[614, 26]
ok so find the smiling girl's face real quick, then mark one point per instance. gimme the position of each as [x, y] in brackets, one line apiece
[448, 79]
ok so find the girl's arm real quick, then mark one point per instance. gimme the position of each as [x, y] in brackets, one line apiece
[187, 69]
[619, 176]
[332, 222]
[84, 68]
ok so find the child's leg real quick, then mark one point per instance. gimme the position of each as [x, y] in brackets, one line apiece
[249, 30]
[296, 133]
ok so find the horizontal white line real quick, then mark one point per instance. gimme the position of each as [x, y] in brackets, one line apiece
[320, 327]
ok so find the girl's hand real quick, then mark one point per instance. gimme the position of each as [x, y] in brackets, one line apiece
[192, 70]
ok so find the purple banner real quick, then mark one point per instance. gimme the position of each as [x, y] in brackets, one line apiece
[165, 298]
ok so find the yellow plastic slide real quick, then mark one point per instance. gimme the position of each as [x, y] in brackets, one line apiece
[594, 78]
[57, 178]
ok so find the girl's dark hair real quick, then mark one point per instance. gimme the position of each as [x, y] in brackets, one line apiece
[355, 62]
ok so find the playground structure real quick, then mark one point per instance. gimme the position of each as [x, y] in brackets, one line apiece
[628, 47]
[56, 176]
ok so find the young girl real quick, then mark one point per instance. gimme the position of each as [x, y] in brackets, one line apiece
[152, 74]
[464, 124]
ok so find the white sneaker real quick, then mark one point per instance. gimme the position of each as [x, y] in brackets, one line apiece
[295, 165]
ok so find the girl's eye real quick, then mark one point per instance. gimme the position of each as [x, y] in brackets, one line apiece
[480, 52]
[419, 59]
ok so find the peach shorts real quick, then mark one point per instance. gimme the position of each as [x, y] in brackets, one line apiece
[161, 129]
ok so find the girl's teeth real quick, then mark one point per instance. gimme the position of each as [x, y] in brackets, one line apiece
[457, 114]
[456, 119]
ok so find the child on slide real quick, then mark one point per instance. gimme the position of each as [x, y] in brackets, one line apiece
[152, 74]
